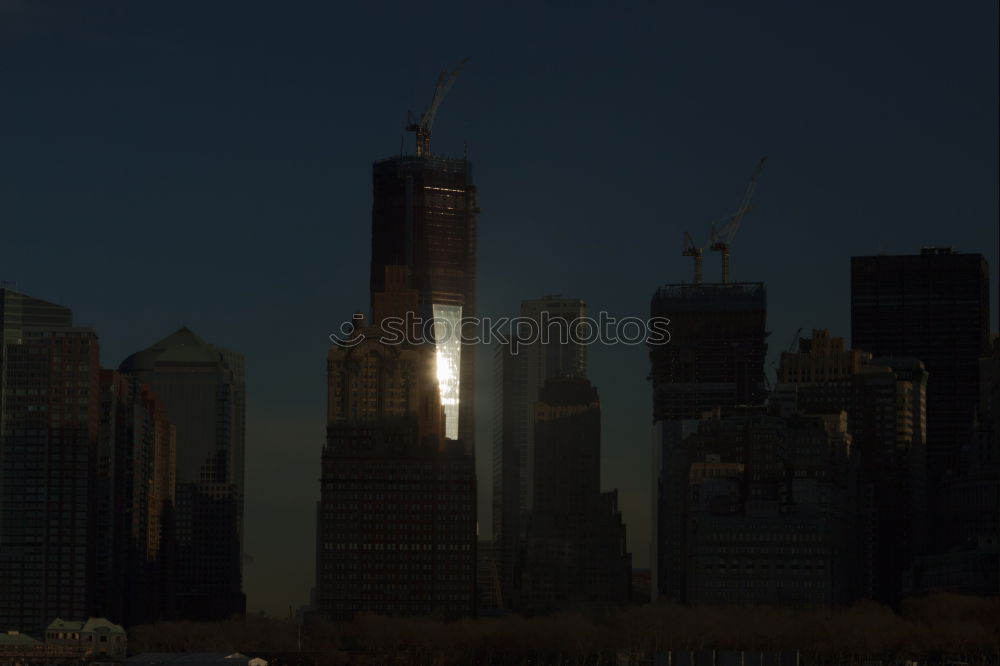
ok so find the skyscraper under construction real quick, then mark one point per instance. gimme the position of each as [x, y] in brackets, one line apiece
[715, 358]
[716, 352]
[424, 210]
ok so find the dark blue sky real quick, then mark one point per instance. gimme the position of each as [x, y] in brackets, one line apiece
[208, 164]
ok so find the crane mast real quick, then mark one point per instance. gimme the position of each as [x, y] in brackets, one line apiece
[422, 126]
[723, 239]
[691, 251]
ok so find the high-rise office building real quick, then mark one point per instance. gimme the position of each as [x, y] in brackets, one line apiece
[715, 358]
[396, 520]
[884, 403]
[508, 500]
[49, 430]
[203, 389]
[559, 350]
[932, 306]
[135, 499]
[935, 307]
[424, 211]
[967, 557]
[86, 477]
[574, 549]
[549, 345]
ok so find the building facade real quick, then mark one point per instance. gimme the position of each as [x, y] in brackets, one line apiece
[966, 559]
[932, 306]
[548, 344]
[768, 515]
[49, 432]
[202, 387]
[136, 470]
[885, 404]
[424, 211]
[715, 358]
[93, 641]
[396, 520]
[574, 548]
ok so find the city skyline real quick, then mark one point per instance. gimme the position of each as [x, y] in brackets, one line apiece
[287, 291]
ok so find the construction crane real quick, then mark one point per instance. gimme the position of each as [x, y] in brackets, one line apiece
[691, 251]
[795, 338]
[790, 350]
[723, 239]
[422, 126]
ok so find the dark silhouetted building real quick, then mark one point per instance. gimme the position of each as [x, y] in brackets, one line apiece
[545, 349]
[396, 520]
[135, 495]
[884, 400]
[768, 510]
[50, 404]
[933, 306]
[715, 358]
[203, 389]
[574, 552]
[509, 525]
[967, 557]
[87, 477]
[424, 212]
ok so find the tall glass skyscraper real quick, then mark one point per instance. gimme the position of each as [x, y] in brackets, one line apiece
[933, 306]
[424, 212]
[50, 413]
[574, 549]
[519, 379]
[203, 388]
[86, 477]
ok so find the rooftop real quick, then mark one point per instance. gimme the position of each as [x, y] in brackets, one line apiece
[726, 296]
[17, 639]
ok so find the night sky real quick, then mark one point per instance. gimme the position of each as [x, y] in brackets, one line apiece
[208, 164]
